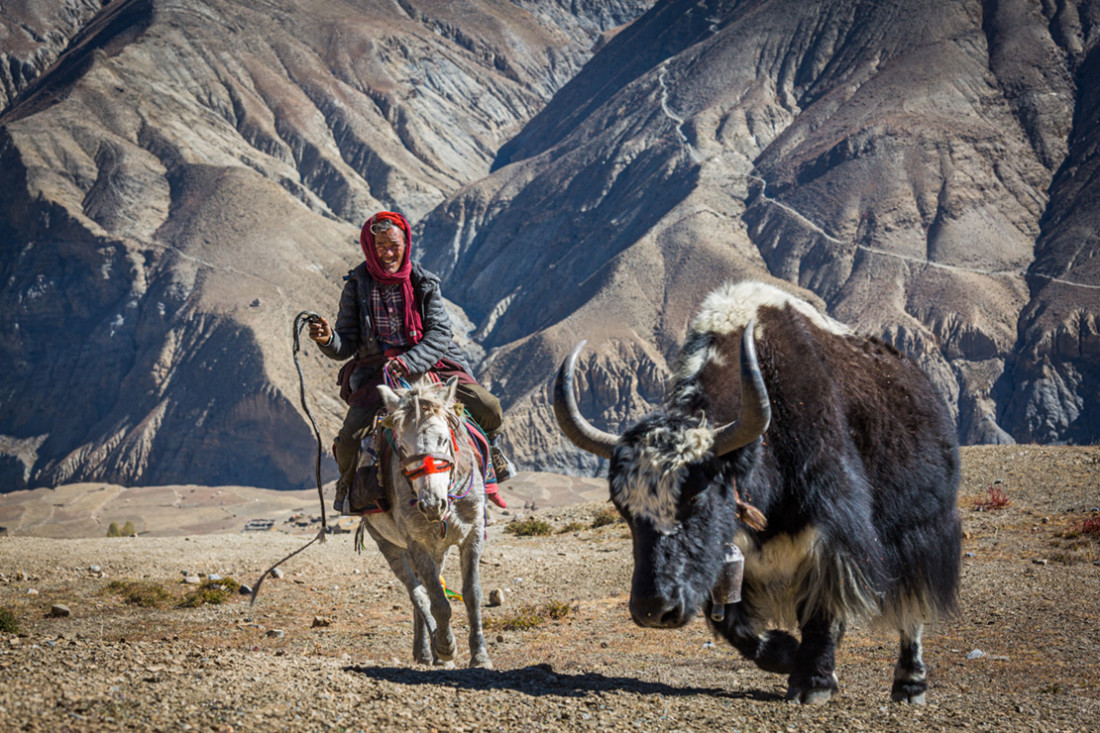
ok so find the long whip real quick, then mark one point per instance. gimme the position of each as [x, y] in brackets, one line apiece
[300, 321]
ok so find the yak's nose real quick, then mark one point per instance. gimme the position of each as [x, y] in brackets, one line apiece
[657, 612]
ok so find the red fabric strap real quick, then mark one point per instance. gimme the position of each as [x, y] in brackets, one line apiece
[420, 466]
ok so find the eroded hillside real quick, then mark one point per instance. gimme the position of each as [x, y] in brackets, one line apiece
[180, 178]
[923, 170]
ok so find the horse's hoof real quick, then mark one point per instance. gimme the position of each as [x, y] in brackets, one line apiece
[485, 663]
[445, 654]
[444, 663]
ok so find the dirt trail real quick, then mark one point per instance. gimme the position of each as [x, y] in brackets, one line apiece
[1030, 605]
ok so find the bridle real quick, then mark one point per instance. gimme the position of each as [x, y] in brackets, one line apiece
[421, 465]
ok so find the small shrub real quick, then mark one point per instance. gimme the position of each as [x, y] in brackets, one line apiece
[995, 498]
[607, 515]
[113, 530]
[212, 592]
[557, 610]
[530, 616]
[1066, 558]
[530, 527]
[9, 624]
[140, 593]
[128, 529]
[1090, 527]
[571, 527]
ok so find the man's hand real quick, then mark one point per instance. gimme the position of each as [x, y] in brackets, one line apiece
[397, 369]
[320, 331]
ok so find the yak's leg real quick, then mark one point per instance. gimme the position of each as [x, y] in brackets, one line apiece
[423, 623]
[427, 569]
[910, 683]
[772, 651]
[813, 681]
[471, 596]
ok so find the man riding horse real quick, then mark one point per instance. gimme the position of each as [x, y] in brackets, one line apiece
[392, 325]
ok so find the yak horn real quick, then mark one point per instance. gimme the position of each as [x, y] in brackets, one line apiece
[578, 430]
[756, 409]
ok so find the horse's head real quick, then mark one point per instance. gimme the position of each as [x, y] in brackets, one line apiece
[424, 425]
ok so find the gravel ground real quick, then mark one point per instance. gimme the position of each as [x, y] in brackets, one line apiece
[1021, 655]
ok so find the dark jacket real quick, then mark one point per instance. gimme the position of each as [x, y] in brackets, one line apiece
[354, 335]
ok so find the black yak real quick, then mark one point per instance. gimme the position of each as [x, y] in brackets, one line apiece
[835, 473]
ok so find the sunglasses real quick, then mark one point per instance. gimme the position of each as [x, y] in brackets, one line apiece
[382, 225]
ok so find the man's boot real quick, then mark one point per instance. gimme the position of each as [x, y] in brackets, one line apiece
[367, 496]
[502, 467]
[346, 453]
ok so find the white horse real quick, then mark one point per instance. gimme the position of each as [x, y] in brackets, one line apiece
[437, 500]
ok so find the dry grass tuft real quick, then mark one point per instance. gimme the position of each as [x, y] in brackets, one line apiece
[9, 624]
[212, 592]
[530, 616]
[530, 527]
[607, 515]
[140, 593]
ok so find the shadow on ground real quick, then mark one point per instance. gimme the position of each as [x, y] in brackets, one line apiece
[540, 679]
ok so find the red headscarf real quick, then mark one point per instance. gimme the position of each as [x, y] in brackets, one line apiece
[414, 327]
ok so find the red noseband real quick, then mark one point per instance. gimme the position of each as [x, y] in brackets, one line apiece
[425, 465]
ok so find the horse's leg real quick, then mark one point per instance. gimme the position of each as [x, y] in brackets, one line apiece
[427, 569]
[471, 596]
[423, 623]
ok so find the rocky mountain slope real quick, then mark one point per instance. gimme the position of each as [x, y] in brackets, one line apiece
[186, 176]
[179, 178]
[33, 35]
[925, 170]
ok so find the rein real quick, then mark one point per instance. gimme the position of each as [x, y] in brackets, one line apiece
[300, 321]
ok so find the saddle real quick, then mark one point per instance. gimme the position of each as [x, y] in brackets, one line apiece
[366, 494]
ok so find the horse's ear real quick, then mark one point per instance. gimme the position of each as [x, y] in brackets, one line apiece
[451, 390]
[389, 397]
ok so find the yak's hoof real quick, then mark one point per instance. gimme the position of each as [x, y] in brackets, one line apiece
[909, 692]
[814, 694]
[809, 697]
